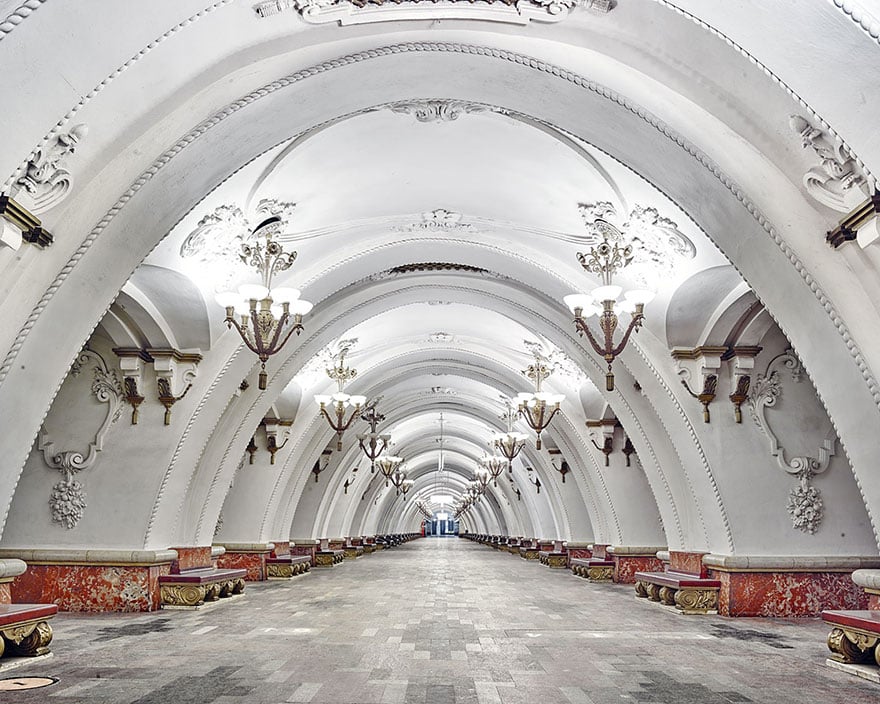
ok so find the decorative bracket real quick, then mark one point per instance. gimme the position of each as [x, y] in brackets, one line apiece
[862, 224]
[708, 361]
[173, 368]
[272, 426]
[607, 426]
[46, 181]
[533, 480]
[251, 449]
[132, 362]
[744, 365]
[628, 450]
[321, 463]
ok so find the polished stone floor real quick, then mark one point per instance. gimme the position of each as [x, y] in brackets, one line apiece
[437, 621]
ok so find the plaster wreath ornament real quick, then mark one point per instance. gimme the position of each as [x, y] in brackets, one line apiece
[67, 501]
[805, 507]
[437, 220]
[437, 110]
[46, 180]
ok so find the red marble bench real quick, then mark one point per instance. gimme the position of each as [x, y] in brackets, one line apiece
[24, 628]
[555, 557]
[287, 566]
[593, 568]
[193, 587]
[854, 636]
[689, 593]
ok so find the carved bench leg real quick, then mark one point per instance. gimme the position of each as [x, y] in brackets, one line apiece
[667, 596]
[30, 640]
[653, 591]
[212, 592]
[641, 590]
[851, 647]
[182, 594]
[696, 601]
[238, 586]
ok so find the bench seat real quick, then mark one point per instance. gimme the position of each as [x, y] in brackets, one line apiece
[854, 637]
[593, 568]
[287, 566]
[689, 593]
[192, 588]
[24, 629]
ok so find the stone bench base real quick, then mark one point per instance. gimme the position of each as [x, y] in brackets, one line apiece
[24, 629]
[329, 558]
[688, 593]
[192, 588]
[593, 569]
[529, 553]
[553, 559]
[352, 552]
[854, 636]
[287, 566]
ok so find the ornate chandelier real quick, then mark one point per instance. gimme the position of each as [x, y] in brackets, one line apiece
[340, 400]
[373, 444]
[494, 465]
[605, 260]
[511, 443]
[538, 408]
[388, 465]
[268, 316]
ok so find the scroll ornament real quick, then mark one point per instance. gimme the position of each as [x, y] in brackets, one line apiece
[68, 498]
[805, 505]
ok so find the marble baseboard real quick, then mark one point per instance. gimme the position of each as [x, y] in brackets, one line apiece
[866, 672]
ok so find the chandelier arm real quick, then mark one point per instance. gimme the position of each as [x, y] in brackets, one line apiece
[295, 328]
[272, 345]
[243, 334]
[326, 415]
[581, 325]
[634, 324]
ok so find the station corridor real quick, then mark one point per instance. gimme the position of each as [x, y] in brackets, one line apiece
[436, 621]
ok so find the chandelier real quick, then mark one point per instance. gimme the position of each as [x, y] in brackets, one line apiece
[340, 401]
[388, 465]
[481, 477]
[268, 316]
[494, 465]
[605, 260]
[538, 408]
[511, 443]
[373, 444]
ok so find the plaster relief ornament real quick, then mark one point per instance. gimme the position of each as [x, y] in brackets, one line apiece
[68, 499]
[559, 363]
[347, 12]
[657, 243]
[804, 501]
[46, 180]
[837, 181]
[222, 233]
[436, 110]
[438, 220]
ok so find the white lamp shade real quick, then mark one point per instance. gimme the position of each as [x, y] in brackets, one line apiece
[641, 295]
[300, 307]
[524, 397]
[556, 398]
[358, 400]
[578, 300]
[228, 299]
[284, 295]
[253, 291]
[322, 399]
[276, 311]
[626, 306]
[341, 397]
[606, 293]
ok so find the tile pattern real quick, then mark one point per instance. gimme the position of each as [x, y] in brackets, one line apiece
[438, 621]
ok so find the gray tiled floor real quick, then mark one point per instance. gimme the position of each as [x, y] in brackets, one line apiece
[438, 621]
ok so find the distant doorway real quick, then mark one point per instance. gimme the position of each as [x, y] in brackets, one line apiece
[441, 525]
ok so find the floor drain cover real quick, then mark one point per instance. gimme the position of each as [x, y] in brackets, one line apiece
[11, 684]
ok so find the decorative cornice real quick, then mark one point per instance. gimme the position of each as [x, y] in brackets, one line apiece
[699, 352]
[848, 229]
[30, 226]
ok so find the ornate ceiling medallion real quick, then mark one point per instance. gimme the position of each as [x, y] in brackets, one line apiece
[437, 110]
[438, 220]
